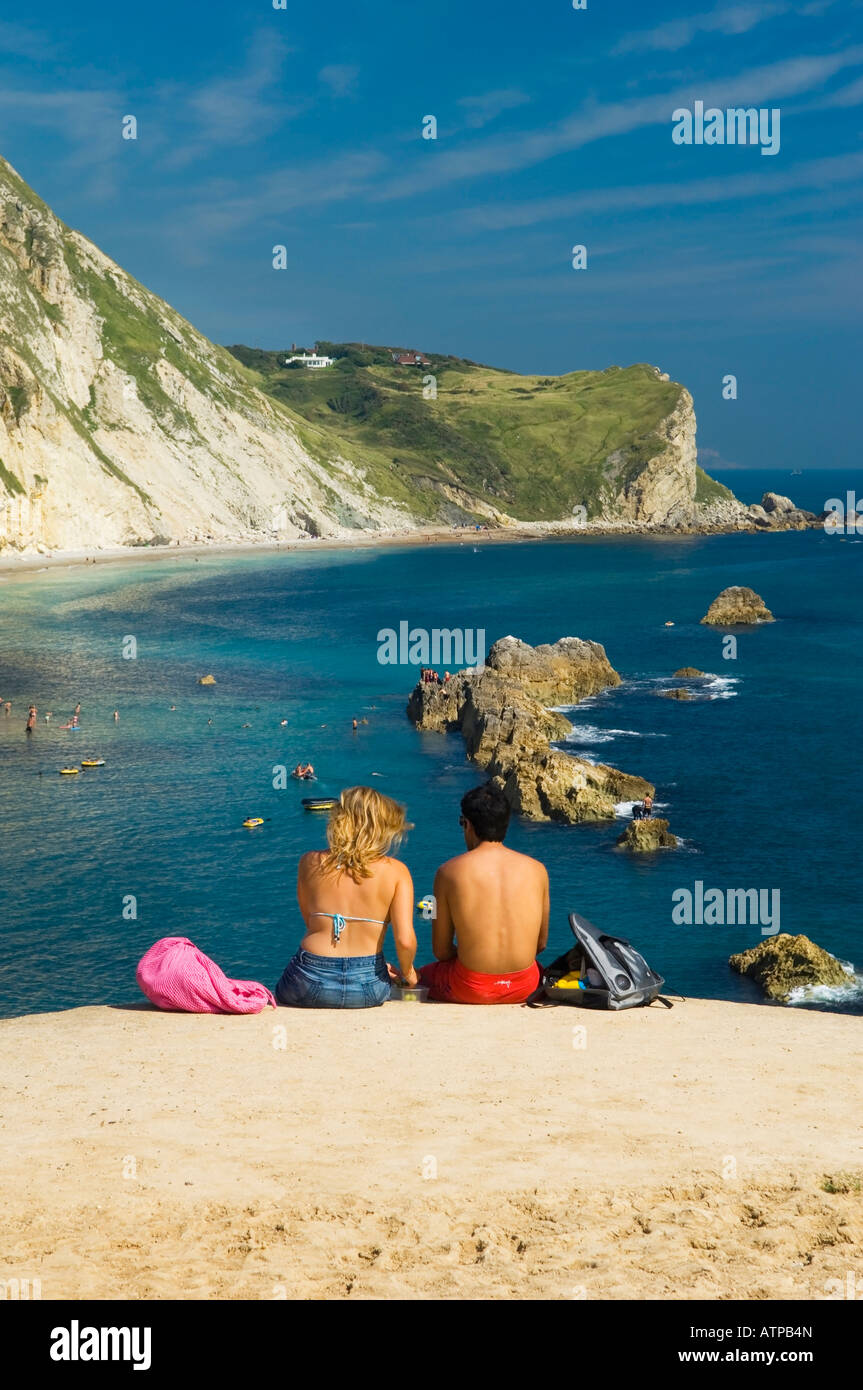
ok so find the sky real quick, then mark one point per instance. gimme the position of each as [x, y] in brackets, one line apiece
[302, 127]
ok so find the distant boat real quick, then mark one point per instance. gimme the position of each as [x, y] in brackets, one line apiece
[796, 472]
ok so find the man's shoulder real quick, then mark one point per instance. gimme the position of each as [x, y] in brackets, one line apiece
[537, 864]
[451, 868]
[465, 863]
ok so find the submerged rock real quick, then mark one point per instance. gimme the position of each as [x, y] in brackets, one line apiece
[644, 836]
[783, 963]
[688, 671]
[678, 693]
[509, 732]
[736, 606]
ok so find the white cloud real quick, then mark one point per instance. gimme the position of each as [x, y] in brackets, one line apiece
[506, 154]
[341, 78]
[815, 174]
[679, 33]
[230, 111]
[18, 41]
[483, 109]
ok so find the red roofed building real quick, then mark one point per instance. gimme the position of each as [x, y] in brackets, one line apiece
[411, 359]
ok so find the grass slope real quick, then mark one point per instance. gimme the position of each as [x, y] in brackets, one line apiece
[532, 446]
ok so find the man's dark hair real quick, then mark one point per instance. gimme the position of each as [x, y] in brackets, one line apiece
[487, 809]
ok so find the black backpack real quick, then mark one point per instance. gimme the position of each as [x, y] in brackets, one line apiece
[618, 978]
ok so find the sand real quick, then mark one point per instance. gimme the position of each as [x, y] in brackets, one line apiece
[14, 562]
[26, 562]
[423, 1151]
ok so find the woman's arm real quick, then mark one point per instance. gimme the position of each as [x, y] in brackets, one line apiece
[302, 886]
[402, 922]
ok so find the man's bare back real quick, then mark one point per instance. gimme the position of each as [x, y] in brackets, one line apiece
[495, 903]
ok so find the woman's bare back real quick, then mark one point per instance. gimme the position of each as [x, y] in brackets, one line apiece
[319, 891]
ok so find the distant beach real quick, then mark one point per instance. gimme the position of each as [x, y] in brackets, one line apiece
[760, 481]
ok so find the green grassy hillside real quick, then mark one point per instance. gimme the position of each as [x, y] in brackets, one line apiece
[532, 446]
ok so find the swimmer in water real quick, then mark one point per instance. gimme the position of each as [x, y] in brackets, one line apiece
[116, 716]
[31, 719]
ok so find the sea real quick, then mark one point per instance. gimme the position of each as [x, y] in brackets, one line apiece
[757, 774]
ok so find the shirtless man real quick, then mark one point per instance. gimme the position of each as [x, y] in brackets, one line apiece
[495, 902]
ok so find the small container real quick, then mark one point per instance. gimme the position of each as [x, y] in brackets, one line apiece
[410, 994]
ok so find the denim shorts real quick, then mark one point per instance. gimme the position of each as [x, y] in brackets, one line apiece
[334, 982]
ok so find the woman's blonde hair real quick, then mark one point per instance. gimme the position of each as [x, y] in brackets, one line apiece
[362, 828]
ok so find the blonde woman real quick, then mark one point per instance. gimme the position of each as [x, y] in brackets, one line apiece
[348, 895]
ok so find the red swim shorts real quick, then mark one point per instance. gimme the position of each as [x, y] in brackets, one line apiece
[450, 983]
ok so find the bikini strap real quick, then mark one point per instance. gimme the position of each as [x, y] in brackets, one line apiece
[339, 922]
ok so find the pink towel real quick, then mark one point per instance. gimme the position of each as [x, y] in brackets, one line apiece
[175, 975]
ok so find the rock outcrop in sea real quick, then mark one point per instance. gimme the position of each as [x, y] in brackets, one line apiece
[687, 671]
[772, 513]
[736, 606]
[501, 712]
[646, 836]
[556, 674]
[784, 963]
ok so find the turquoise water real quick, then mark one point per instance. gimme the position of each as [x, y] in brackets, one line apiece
[758, 776]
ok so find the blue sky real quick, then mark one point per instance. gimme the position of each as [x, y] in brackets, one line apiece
[302, 127]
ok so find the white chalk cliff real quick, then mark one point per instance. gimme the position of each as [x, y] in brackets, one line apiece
[121, 424]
